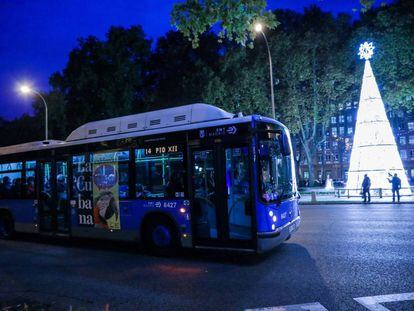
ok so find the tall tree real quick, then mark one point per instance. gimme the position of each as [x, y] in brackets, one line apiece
[178, 73]
[391, 29]
[20, 130]
[314, 80]
[240, 83]
[233, 18]
[57, 121]
[105, 78]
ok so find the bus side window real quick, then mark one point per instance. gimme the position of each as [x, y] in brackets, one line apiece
[11, 180]
[159, 175]
[29, 185]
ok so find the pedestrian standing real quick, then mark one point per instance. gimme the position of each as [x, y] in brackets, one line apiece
[366, 184]
[396, 186]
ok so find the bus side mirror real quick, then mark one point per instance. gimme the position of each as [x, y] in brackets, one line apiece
[284, 144]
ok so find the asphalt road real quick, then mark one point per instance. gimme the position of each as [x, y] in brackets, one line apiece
[341, 252]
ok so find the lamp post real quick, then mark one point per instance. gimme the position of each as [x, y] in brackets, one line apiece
[259, 28]
[24, 89]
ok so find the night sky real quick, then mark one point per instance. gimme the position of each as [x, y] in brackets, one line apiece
[37, 36]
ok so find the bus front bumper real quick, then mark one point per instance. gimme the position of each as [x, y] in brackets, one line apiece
[268, 240]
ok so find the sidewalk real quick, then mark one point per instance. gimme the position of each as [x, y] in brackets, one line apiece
[318, 196]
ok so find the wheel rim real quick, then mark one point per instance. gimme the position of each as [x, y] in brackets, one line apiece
[161, 236]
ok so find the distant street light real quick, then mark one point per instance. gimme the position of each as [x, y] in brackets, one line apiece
[259, 28]
[24, 89]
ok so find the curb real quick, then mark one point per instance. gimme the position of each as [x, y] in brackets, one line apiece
[349, 203]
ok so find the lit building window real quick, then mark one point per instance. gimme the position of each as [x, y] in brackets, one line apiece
[350, 130]
[412, 172]
[403, 140]
[348, 105]
[349, 119]
[334, 132]
[341, 130]
[410, 126]
[334, 144]
[411, 139]
[333, 120]
[336, 157]
[341, 119]
[403, 154]
[306, 174]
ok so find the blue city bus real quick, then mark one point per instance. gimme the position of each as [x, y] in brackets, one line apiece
[193, 176]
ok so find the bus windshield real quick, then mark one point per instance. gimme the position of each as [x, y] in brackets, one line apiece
[275, 169]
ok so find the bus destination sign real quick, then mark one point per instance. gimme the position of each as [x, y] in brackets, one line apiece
[156, 150]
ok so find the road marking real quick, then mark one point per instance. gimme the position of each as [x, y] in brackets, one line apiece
[315, 306]
[373, 303]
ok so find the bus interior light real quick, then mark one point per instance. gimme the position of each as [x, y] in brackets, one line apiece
[271, 213]
[273, 227]
[274, 218]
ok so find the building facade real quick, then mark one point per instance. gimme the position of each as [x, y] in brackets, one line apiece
[334, 153]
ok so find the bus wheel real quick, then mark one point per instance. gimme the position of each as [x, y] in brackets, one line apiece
[161, 237]
[6, 226]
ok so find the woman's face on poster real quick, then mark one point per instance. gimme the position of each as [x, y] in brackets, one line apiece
[103, 204]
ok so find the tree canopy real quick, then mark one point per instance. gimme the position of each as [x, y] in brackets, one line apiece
[233, 18]
[105, 78]
[391, 29]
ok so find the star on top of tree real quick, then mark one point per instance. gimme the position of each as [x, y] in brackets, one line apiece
[366, 50]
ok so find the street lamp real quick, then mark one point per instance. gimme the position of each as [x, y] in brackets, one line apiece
[259, 29]
[24, 89]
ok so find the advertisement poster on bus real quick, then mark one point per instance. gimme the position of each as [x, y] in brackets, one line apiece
[82, 190]
[105, 191]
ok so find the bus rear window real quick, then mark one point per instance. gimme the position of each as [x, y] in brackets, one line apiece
[275, 170]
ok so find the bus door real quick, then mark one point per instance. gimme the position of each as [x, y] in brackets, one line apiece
[53, 197]
[221, 188]
[62, 195]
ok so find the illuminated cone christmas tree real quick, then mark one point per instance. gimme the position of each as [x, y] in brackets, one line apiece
[374, 151]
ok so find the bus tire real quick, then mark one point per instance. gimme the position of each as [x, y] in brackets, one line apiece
[160, 237]
[6, 226]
